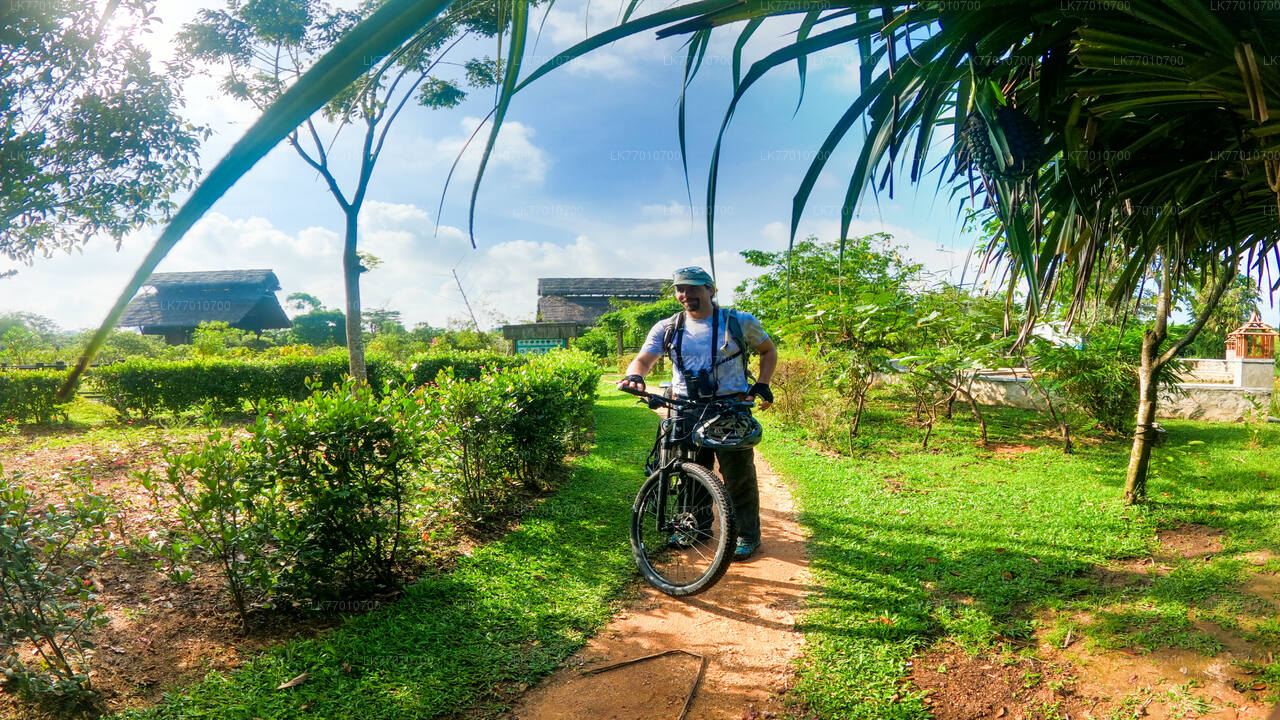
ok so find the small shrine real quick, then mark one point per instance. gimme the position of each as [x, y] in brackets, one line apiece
[1254, 340]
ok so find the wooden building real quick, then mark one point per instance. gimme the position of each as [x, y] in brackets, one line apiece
[582, 300]
[173, 304]
[567, 306]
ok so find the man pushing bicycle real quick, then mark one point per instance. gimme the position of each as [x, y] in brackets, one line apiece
[708, 347]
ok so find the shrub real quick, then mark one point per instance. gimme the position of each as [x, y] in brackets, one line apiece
[472, 450]
[146, 387]
[48, 608]
[1101, 377]
[466, 364]
[28, 395]
[228, 510]
[580, 375]
[344, 461]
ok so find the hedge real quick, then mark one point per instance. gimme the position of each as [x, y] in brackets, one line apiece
[466, 365]
[145, 387]
[28, 395]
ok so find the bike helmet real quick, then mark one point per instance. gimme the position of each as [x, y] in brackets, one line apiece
[728, 430]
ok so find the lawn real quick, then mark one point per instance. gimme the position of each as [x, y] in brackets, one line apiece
[1005, 552]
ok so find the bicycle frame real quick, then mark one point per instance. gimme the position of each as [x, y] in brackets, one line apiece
[669, 445]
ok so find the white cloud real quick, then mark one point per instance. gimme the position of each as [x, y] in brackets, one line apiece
[515, 156]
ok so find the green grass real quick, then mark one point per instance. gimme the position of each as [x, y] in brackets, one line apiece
[910, 548]
[471, 639]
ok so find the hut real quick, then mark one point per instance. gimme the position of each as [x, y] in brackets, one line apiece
[174, 304]
[567, 306]
[583, 300]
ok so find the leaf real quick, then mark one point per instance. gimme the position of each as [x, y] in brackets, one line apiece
[382, 32]
[294, 682]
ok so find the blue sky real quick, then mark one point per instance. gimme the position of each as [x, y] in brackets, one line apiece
[586, 181]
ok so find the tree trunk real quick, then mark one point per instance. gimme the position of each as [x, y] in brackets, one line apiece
[1135, 484]
[351, 277]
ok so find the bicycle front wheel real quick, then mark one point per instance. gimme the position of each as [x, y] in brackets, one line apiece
[682, 530]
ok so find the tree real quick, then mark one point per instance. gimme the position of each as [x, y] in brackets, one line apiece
[268, 45]
[322, 327]
[1134, 135]
[91, 140]
[301, 301]
[1238, 302]
[849, 302]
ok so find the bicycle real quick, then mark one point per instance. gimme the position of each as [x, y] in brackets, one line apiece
[682, 522]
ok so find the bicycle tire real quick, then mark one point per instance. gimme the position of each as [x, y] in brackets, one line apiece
[681, 569]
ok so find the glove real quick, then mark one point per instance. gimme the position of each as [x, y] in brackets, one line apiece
[762, 391]
[637, 379]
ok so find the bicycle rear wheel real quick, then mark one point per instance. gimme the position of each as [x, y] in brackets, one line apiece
[687, 548]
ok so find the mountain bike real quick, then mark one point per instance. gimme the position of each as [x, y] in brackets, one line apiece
[682, 521]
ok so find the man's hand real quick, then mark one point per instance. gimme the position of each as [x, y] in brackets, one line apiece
[762, 393]
[632, 382]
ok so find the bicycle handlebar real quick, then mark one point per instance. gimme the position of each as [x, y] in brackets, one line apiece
[656, 400]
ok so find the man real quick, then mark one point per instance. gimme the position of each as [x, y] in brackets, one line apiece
[708, 360]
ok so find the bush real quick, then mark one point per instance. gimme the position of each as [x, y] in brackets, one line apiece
[1101, 377]
[146, 387]
[516, 424]
[228, 510]
[466, 364]
[472, 450]
[48, 608]
[344, 462]
[28, 395]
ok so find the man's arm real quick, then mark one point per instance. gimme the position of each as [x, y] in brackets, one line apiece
[768, 363]
[640, 367]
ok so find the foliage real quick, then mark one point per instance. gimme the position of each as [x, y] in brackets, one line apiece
[146, 387]
[30, 395]
[90, 136]
[344, 462]
[47, 602]
[465, 364]
[631, 320]
[510, 426]
[227, 510]
[319, 327]
[465, 640]
[1100, 378]
[1233, 310]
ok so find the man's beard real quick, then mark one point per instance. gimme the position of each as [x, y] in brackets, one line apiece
[693, 305]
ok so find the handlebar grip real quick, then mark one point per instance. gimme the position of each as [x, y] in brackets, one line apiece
[633, 391]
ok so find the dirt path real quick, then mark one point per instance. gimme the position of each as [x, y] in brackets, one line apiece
[745, 626]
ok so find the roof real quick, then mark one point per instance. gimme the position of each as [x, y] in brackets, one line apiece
[606, 287]
[211, 278]
[241, 298]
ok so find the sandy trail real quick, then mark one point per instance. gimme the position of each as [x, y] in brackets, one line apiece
[745, 626]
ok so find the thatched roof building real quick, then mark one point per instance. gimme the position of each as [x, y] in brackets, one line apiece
[173, 304]
[582, 300]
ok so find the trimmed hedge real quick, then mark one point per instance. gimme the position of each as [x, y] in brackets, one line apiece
[466, 365]
[146, 387]
[28, 395]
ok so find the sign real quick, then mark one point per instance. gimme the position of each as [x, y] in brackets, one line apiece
[538, 346]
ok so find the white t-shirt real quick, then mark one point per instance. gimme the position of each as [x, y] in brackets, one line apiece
[696, 350]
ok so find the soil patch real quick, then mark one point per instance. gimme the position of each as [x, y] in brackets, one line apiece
[1009, 449]
[1190, 541]
[745, 626]
[964, 687]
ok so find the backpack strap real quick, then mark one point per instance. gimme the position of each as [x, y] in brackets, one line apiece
[675, 323]
[735, 331]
